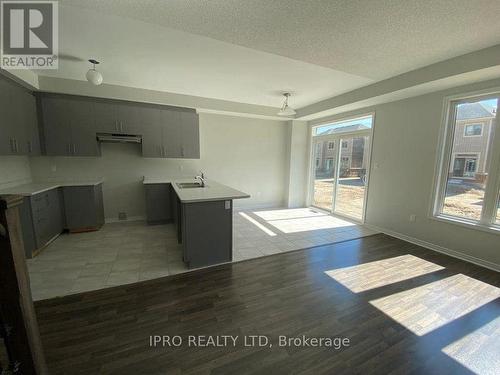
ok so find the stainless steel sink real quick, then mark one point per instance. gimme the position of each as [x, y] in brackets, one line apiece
[188, 185]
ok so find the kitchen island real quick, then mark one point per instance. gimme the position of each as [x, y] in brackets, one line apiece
[203, 216]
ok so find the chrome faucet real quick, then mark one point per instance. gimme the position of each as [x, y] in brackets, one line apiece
[201, 177]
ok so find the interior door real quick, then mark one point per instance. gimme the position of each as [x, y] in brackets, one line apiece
[325, 154]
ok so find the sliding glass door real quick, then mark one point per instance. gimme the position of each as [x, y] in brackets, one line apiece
[352, 176]
[340, 167]
[325, 157]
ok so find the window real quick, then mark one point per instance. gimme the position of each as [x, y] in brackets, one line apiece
[330, 145]
[344, 144]
[469, 176]
[355, 125]
[473, 130]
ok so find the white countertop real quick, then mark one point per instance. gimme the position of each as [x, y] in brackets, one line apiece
[39, 187]
[213, 191]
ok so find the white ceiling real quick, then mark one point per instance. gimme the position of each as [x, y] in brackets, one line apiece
[149, 56]
[248, 51]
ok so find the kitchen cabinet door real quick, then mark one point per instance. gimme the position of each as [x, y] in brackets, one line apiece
[83, 129]
[7, 116]
[171, 133]
[129, 118]
[158, 204]
[151, 130]
[190, 135]
[83, 207]
[56, 126]
[31, 124]
[106, 116]
[19, 130]
[54, 213]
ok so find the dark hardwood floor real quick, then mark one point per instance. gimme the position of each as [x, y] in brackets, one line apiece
[420, 320]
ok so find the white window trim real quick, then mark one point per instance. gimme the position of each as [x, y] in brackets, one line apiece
[444, 155]
[474, 135]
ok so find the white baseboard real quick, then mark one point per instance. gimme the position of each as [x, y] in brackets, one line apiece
[439, 249]
[109, 220]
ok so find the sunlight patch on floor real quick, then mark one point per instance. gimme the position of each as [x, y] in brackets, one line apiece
[301, 220]
[433, 305]
[383, 272]
[478, 351]
[257, 224]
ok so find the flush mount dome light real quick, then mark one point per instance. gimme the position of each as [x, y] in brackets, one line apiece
[285, 109]
[93, 76]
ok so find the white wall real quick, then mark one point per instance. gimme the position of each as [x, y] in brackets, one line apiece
[298, 158]
[405, 146]
[14, 170]
[244, 153]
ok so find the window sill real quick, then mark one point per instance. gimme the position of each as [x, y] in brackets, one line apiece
[495, 229]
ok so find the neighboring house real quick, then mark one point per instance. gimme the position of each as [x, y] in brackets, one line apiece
[473, 136]
[353, 158]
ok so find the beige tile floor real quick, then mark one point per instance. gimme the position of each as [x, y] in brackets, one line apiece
[122, 253]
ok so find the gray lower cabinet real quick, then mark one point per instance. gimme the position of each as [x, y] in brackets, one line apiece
[206, 233]
[158, 203]
[41, 220]
[19, 126]
[83, 207]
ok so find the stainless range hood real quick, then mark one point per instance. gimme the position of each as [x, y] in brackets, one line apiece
[119, 138]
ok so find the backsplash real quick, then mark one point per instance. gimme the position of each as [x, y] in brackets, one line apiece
[14, 170]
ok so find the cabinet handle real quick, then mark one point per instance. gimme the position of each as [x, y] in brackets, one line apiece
[74, 149]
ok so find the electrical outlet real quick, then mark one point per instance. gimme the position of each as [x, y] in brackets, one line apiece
[122, 216]
[413, 218]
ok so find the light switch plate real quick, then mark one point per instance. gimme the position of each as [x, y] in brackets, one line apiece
[227, 205]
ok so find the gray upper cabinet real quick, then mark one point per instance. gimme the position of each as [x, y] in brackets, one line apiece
[171, 133]
[7, 116]
[190, 135]
[31, 124]
[106, 117]
[19, 126]
[152, 142]
[129, 118]
[117, 117]
[56, 126]
[83, 129]
[69, 127]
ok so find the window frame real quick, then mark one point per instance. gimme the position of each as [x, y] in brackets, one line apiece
[481, 125]
[445, 155]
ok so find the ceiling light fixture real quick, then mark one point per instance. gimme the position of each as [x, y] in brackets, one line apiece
[93, 76]
[285, 109]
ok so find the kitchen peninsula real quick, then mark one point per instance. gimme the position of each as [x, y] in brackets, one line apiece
[202, 213]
